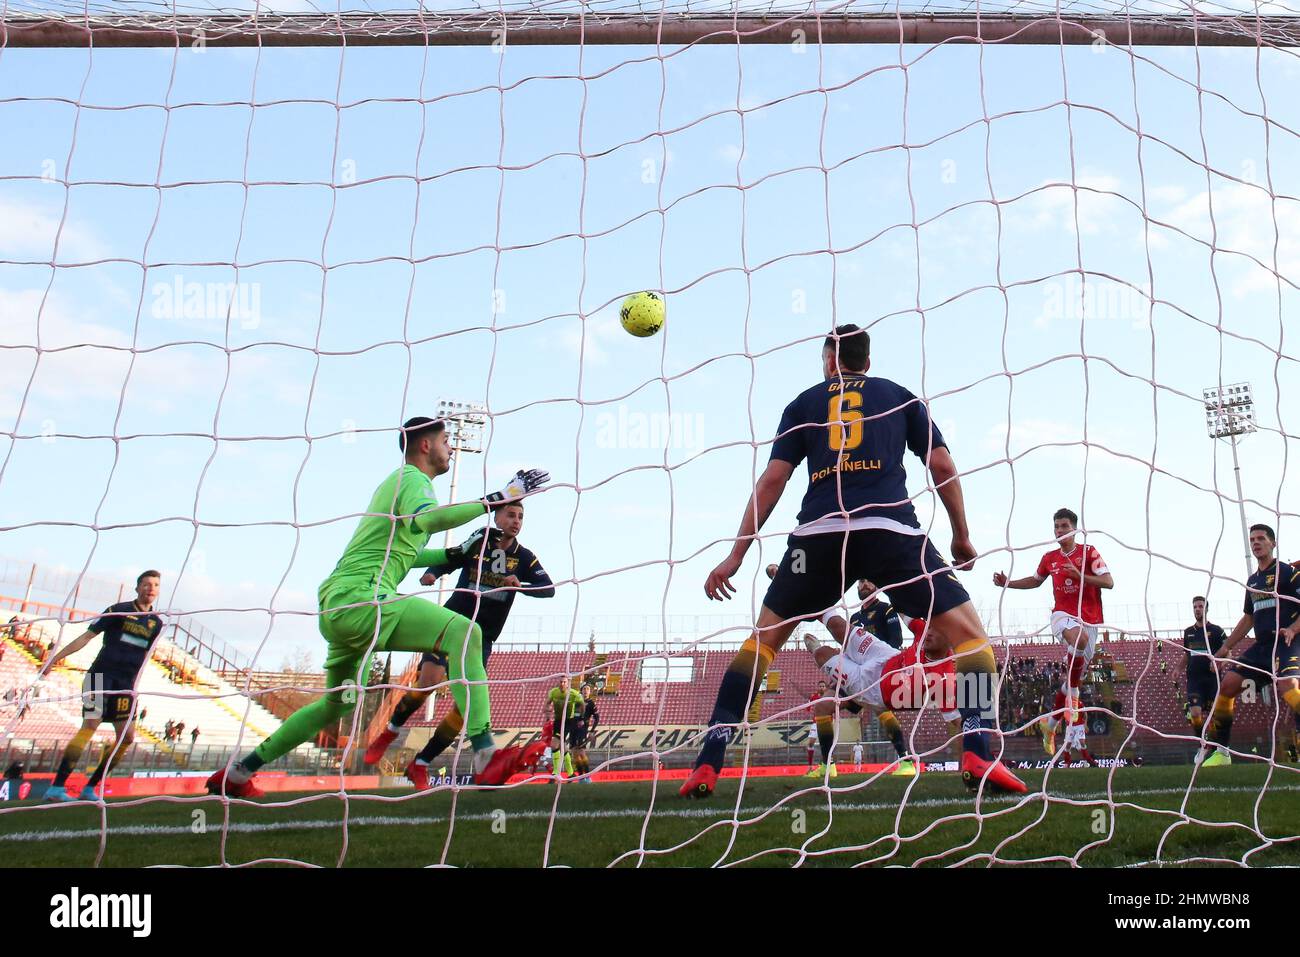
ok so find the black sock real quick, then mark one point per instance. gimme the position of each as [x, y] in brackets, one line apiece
[61, 775]
[409, 704]
[736, 692]
[825, 736]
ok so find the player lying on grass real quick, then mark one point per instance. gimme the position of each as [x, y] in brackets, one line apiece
[1272, 609]
[857, 521]
[493, 570]
[129, 630]
[868, 673]
[1078, 575]
[361, 612]
[881, 620]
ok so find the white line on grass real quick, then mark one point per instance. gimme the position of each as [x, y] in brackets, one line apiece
[387, 820]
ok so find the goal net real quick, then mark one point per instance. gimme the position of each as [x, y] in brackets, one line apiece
[241, 243]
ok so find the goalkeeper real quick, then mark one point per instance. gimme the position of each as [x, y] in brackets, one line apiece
[360, 611]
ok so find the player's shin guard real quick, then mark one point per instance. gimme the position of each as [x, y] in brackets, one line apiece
[1221, 721]
[890, 724]
[443, 737]
[742, 677]
[825, 735]
[72, 755]
[976, 671]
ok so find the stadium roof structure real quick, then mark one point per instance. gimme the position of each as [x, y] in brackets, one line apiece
[45, 23]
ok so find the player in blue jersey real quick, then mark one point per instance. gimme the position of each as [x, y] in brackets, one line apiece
[129, 630]
[1272, 609]
[857, 521]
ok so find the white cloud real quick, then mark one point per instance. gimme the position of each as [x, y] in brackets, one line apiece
[29, 229]
[1243, 218]
[1052, 207]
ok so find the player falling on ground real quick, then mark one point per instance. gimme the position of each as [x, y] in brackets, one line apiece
[1272, 609]
[857, 521]
[1078, 575]
[563, 706]
[881, 620]
[871, 674]
[362, 613]
[129, 630]
[492, 572]
[1202, 643]
[885, 622]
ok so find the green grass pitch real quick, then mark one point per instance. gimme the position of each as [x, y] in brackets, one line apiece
[1233, 814]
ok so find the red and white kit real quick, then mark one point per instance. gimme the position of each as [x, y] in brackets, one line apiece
[1076, 605]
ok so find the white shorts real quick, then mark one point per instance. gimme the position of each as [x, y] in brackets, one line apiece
[1061, 621]
[855, 681]
[1075, 738]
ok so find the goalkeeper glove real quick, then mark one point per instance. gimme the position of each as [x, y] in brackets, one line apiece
[525, 482]
[470, 548]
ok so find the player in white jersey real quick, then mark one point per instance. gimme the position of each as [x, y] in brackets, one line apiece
[871, 674]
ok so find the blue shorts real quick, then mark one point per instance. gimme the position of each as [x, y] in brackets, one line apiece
[1202, 687]
[1262, 662]
[817, 570]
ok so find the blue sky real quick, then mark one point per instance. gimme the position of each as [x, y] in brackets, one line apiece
[984, 321]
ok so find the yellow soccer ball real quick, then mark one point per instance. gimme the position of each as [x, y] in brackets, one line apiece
[642, 313]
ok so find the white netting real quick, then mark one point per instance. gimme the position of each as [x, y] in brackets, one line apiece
[237, 253]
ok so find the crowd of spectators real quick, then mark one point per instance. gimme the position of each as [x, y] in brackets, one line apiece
[1028, 691]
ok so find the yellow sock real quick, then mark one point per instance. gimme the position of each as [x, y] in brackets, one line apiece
[1292, 698]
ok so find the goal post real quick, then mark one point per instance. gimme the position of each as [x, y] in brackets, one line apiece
[602, 24]
[1068, 281]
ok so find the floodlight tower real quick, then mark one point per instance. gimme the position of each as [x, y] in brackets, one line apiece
[1229, 413]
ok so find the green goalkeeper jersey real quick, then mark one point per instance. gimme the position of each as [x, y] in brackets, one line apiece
[387, 542]
[571, 701]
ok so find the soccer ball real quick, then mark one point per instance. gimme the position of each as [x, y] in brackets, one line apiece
[642, 313]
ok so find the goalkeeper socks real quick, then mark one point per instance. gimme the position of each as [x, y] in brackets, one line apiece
[825, 735]
[739, 683]
[72, 755]
[409, 704]
[890, 724]
[568, 762]
[976, 671]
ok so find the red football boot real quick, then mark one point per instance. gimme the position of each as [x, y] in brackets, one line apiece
[974, 768]
[418, 774]
[701, 782]
[532, 756]
[375, 752]
[504, 763]
[218, 782]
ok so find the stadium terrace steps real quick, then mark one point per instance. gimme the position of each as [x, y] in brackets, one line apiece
[210, 703]
[521, 680]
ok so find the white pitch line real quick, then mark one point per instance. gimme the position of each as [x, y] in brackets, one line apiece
[388, 820]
